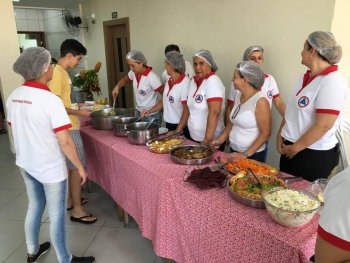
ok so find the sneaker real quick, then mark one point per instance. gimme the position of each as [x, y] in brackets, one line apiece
[44, 247]
[83, 259]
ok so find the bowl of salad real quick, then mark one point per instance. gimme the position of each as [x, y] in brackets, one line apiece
[290, 207]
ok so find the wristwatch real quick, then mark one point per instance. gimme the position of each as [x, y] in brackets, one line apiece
[246, 154]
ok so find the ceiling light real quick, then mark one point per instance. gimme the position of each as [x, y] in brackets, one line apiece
[15, 0]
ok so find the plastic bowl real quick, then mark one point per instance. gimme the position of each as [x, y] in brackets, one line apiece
[158, 146]
[290, 218]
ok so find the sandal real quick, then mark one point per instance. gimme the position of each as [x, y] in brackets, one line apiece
[80, 219]
[83, 202]
[3, 131]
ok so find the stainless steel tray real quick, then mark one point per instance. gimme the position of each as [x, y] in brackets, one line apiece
[191, 161]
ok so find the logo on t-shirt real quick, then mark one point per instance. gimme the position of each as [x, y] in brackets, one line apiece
[142, 92]
[171, 99]
[269, 94]
[199, 98]
[303, 101]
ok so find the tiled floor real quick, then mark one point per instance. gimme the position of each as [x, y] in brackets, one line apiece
[107, 239]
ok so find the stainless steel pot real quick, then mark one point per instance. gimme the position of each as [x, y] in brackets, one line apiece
[105, 123]
[136, 133]
[119, 125]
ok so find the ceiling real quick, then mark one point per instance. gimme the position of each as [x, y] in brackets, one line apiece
[50, 3]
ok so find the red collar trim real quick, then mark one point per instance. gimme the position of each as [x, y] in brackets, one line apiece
[182, 76]
[307, 80]
[266, 76]
[145, 73]
[36, 85]
[199, 82]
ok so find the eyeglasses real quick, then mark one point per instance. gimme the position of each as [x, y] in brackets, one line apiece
[236, 111]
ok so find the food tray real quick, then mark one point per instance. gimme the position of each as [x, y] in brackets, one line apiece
[244, 200]
[191, 161]
[270, 170]
[167, 146]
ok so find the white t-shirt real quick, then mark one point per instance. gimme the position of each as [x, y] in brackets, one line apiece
[245, 129]
[334, 223]
[269, 90]
[35, 115]
[174, 97]
[145, 88]
[326, 93]
[210, 89]
[189, 72]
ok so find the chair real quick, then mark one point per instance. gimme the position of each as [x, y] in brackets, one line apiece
[344, 128]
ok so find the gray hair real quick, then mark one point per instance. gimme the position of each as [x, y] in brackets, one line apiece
[252, 72]
[136, 56]
[176, 60]
[206, 55]
[326, 45]
[32, 63]
[250, 50]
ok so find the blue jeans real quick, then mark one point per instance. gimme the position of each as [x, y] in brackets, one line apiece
[157, 117]
[55, 196]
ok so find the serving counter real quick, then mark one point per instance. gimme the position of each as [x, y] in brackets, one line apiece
[187, 224]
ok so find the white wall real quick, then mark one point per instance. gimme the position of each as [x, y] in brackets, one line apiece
[56, 33]
[9, 52]
[225, 27]
[29, 20]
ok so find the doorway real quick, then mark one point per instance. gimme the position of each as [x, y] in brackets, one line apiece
[28, 39]
[117, 45]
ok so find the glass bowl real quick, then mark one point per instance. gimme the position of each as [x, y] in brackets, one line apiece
[277, 202]
[164, 146]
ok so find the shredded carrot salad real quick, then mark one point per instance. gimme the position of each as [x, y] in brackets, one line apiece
[257, 167]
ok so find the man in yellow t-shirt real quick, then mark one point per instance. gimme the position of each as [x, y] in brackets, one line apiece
[72, 52]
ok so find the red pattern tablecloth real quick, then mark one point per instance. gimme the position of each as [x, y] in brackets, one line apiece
[184, 223]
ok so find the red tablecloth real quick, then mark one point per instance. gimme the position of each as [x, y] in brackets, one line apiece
[185, 223]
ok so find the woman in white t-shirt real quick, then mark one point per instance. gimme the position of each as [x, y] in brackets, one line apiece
[269, 89]
[206, 100]
[174, 103]
[250, 119]
[306, 139]
[146, 85]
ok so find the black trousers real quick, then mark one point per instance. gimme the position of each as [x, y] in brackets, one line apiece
[172, 127]
[310, 164]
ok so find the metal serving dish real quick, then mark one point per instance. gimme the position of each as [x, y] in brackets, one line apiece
[191, 161]
[105, 123]
[136, 133]
[119, 125]
[244, 200]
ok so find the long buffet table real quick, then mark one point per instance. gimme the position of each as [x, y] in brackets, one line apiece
[185, 223]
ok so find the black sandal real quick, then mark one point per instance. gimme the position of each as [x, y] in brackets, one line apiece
[3, 131]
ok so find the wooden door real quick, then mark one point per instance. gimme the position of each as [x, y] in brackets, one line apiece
[117, 45]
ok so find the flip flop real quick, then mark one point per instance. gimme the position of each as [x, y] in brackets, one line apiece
[79, 219]
[83, 202]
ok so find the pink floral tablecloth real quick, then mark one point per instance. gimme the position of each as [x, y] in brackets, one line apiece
[184, 223]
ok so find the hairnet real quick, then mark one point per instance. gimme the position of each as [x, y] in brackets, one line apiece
[326, 46]
[176, 60]
[252, 72]
[251, 49]
[206, 55]
[32, 63]
[137, 56]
